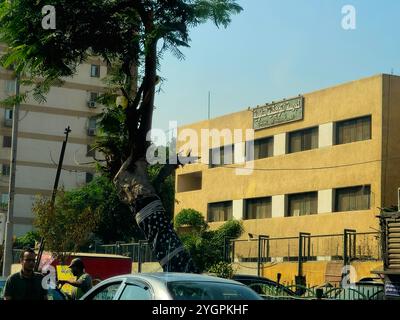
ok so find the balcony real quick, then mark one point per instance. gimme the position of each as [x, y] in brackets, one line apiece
[189, 182]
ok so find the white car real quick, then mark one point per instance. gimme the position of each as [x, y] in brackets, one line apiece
[169, 286]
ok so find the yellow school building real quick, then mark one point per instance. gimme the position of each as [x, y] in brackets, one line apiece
[320, 163]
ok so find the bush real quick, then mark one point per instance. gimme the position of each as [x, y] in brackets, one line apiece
[27, 240]
[222, 269]
[190, 217]
[207, 247]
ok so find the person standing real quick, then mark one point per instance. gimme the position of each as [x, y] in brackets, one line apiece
[26, 284]
[83, 282]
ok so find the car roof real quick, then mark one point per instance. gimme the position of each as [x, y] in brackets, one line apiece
[166, 277]
[250, 277]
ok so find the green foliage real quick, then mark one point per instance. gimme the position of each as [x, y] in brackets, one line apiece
[207, 247]
[27, 240]
[112, 140]
[191, 218]
[93, 211]
[222, 269]
[64, 228]
[118, 31]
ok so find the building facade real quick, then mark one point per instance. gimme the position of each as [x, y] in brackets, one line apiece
[40, 136]
[323, 162]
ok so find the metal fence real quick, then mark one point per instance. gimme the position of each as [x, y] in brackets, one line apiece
[354, 292]
[137, 251]
[349, 245]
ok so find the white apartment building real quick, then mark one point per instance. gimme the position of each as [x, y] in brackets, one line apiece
[40, 136]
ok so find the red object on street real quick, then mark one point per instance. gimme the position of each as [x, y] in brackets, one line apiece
[99, 266]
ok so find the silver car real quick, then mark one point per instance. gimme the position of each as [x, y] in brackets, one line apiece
[169, 286]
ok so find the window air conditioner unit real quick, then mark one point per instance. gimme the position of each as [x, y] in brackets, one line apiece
[91, 132]
[91, 104]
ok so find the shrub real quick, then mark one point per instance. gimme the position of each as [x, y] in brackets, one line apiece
[190, 217]
[222, 269]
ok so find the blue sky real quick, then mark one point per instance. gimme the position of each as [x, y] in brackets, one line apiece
[277, 49]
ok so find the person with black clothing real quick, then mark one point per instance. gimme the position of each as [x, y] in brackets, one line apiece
[26, 284]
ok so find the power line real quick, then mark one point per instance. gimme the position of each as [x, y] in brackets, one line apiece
[310, 168]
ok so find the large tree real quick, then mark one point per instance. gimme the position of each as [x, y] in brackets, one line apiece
[130, 35]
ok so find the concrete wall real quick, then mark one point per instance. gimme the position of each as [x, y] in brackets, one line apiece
[325, 135]
[391, 140]
[318, 273]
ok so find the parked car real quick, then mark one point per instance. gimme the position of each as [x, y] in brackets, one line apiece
[53, 294]
[169, 286]
[266, 288]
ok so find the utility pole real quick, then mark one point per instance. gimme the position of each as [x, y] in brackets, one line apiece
[209, 105]
[8, 244]
[53, 196]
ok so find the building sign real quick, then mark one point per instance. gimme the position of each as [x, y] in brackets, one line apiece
[392, 288]
[278, 113]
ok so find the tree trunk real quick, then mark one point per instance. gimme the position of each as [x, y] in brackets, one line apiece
[135, 189]
[132, 181]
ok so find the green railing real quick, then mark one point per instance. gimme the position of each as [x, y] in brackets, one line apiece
[356, 292]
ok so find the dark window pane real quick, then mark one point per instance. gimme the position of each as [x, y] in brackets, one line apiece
[260, 208]
[6, 170]
[353, 198]
[295, 142]
[90, 151]
[263, 148]
[302, 204]
[94, 96]
[353, 130]
[221, 156]
[6, 142]
[89, 177]
[220, 211]
[95, 70]
[303, 140]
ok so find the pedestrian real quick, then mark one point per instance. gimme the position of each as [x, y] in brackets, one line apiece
[83, 282]
[26, 284]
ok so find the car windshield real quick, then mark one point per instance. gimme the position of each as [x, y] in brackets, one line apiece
[190, 290]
